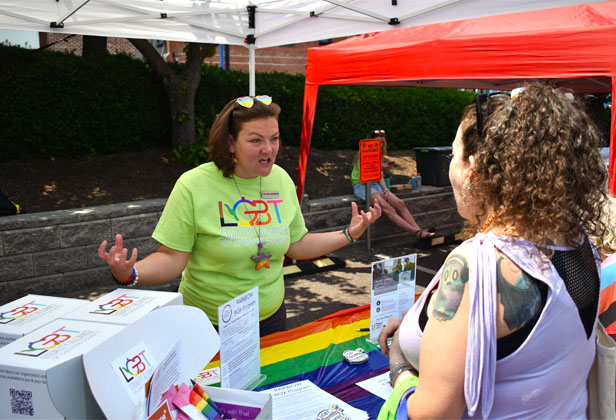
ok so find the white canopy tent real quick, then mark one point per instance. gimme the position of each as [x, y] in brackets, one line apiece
[255, 24]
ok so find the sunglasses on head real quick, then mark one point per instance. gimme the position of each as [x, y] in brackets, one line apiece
[486, 98]
[378, 133]
[481, 98]
[249, 101]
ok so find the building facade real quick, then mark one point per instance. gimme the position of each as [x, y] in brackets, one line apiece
[286, 59]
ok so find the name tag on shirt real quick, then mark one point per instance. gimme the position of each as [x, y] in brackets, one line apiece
[270, 194]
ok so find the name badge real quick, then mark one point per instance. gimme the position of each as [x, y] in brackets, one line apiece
[270, 194]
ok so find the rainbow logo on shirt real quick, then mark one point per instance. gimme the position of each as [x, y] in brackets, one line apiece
[256, 211]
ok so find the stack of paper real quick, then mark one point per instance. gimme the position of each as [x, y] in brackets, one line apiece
[304, 400]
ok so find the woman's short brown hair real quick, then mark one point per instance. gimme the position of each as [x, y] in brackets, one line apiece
[538, 166]
[227, 126]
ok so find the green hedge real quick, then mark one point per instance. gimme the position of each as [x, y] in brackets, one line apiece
[57, 104]
[344, 114]
[410, 116]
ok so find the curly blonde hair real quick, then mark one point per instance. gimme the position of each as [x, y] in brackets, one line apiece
[606, 245]
[538, 167]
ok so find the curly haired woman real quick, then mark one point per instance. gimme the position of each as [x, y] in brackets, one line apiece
[511, 316]
[607, 251]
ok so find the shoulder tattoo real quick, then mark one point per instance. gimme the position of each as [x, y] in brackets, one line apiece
[518, 293]
[451, 289]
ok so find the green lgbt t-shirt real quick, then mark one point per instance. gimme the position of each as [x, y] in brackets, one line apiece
[206, 216]
[355, 173]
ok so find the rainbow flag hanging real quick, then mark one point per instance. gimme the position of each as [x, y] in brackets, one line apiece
[314, 351]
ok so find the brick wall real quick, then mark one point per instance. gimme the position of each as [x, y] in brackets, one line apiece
[74, 43]
[286, 59]
[53, 253]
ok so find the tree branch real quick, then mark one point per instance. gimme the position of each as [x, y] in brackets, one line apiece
[156, 61]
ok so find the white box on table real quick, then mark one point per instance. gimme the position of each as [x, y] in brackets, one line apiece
[157, 333]
[124, 306]
[42, 374]
[30, 312]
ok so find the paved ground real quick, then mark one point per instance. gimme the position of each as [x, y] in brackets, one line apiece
[309, 297]
[312, 296]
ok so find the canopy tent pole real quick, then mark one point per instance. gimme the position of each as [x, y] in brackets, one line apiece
[251, 67]
[612, 160]
[310, 102]
[251, 40]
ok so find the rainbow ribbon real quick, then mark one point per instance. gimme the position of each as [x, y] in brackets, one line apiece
[199, 391]
[202, 404]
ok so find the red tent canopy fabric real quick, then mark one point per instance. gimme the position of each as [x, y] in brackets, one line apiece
[571, 47]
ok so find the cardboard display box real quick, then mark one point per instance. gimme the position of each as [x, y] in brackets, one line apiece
[30, 312]
[42, 375]
[124, 306]
[146, 343]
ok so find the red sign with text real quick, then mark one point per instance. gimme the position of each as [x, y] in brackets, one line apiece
[369, 160]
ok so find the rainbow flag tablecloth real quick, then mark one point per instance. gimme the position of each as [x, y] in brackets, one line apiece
[314, 352]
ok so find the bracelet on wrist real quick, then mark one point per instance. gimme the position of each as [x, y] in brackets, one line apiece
[348, 235]
[131, 281]
[397, 369]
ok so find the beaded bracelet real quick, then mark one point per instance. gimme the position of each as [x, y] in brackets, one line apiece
[349, 236]
[131, 281]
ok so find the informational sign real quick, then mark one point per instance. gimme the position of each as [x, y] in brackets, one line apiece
[238, 326]
[393, 290]
[369, 160]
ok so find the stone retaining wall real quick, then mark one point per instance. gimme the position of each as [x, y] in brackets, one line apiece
[55, 253]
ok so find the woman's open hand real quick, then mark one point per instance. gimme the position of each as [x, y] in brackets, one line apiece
[121, 268]
[360, 220]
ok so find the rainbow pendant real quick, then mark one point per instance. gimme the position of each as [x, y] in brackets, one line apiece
[262, 259]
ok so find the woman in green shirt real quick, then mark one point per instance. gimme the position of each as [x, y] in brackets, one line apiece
[229, 223]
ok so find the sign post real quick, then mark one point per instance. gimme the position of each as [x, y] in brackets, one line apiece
[369, 171]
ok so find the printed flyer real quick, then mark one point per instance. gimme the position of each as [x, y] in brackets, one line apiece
[392, 290]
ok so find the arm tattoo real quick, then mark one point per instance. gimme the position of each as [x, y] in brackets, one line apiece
[451, 290]
[519, 296]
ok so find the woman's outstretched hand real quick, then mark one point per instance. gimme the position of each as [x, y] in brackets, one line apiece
[121, 268]
[360, 220]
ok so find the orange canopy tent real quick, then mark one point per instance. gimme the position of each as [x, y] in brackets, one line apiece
[571, 47]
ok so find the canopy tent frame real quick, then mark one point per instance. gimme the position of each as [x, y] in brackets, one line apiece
[569, 47]
[250, 23]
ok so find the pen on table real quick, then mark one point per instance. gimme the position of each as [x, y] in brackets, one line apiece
[363, 329]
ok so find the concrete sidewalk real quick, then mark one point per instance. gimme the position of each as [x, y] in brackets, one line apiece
[312, 296]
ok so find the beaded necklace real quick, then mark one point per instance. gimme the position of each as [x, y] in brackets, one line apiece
[487, 223]
[261, 259]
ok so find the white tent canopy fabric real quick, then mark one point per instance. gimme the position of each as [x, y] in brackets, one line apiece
[255, 24]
